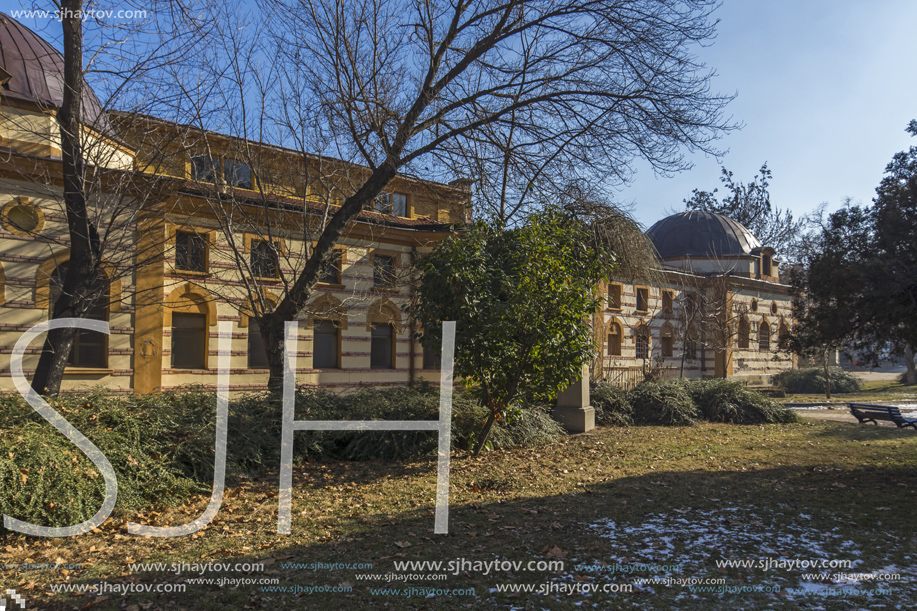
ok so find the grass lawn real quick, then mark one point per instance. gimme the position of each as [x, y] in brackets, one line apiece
[870, 392]
[615, 506]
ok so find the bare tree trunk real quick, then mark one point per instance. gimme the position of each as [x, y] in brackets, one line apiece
[485, 432]
[84, 239]
[910, 376]
[827, 375]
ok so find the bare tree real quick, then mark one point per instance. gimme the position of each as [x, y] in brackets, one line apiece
[103, 198]
[546, 88]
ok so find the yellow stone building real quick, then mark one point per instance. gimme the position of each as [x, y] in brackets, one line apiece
[200, 227]
[715, 307]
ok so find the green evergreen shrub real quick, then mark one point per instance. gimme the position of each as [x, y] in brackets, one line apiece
[611, 405]
[812, 381]
[662, 403]
[722, 400]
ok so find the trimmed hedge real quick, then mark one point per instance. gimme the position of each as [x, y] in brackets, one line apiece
[162, 446]
[812, 381]
[682, 402]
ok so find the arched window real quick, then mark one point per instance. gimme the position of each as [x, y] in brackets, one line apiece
[191, 311]
[783, 337]
[642, 341]
[744, 332]
[691, 344]
[383, 320]
[764, 336]
[90, 348]
[614, 338]
[667, 340]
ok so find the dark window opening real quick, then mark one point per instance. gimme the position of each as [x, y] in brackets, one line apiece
[643, 300]
[744, 333]
[383, 203]
[381, 351]
[257, 348]
[325, 345]
[764, 336]
[614, 296]
[432, 358]
[237, 174]
[190, 252]
[189, 341]
[263, 260]
[643, 343]
[399, 204]
[90, 348]
[383, 271]
[332, 273]
[204, 169]
[667, 342]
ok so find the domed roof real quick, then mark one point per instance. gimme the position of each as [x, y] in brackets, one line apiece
[36, 72]
[701, 234]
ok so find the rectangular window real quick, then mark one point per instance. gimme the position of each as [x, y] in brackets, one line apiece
[614, 339]
[189, 341]
[667, 303]
[325, 345]
[399, 204]
[190, 252]
[237, 174]
[257, 350]
[263, 260]
[90, 348]
[667, 344]
[643, 300]
[643, 344]
[614, 296]
[204, 168]
[383, 271]
[332, 273]
[383, 203]
[432, 358]
[381, 351]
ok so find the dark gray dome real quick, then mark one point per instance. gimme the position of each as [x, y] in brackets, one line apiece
[700, 234]
[36, 72]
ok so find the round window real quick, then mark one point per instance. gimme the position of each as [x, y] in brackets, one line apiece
[774, 308]
[754, 305]
[21, 218]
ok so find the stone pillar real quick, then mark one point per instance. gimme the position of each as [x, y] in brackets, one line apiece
[573, 410]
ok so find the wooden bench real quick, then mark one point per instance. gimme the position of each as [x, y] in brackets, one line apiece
[865, 412]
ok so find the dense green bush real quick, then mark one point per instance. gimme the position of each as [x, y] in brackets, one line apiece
[681, 402]
[722, 400]
[611, 405]
[665, 403]
[812, 381]
[162, 446]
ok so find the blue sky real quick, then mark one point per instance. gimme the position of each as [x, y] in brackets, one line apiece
[825, 90]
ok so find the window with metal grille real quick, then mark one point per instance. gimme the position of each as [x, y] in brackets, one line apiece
[643, 343]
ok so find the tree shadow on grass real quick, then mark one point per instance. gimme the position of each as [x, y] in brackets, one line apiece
[658, 517]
